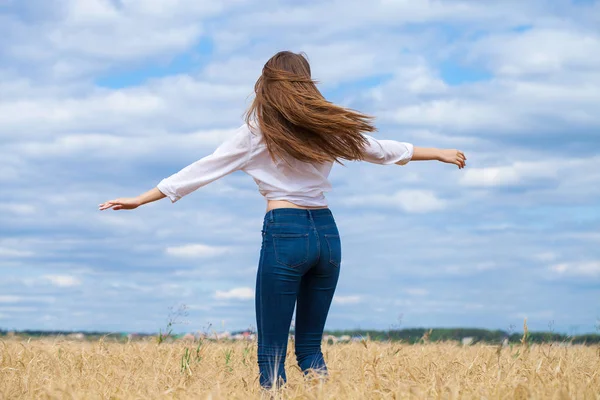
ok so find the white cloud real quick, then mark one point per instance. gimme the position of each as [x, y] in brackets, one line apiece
[456, 113]
[10, 299]
[104, 146]
[79, 37]
[420, 201]
[132, 287]
[14, 253]
[196, 250]
[63, 280]
[412, 76]
[316, 18]
[167, 105]
[410, 201]
[241, 293]
[347, 299]
[538, 51]
[563, 179]
[589, 236]
[532, 76]
[584, 268]
[498, 107]
[18, 309]
[20, 209]
[539, 315]
[517, 173]
[8, 173]
[545, 256]
[417, 291]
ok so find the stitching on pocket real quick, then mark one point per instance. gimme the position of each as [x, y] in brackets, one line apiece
[331, 260]
[291, 235]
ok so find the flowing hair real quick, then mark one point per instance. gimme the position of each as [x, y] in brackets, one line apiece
[297, 121]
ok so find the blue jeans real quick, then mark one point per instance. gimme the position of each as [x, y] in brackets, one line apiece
[299, 264]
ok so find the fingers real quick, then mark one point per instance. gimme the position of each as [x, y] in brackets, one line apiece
[110, 204]
[461, 159]
[455, 157]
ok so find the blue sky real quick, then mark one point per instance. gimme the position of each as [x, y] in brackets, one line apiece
[102, 99]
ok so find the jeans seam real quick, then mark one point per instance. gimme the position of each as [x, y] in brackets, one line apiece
[318, 244]
[327, 236]
[260, 307]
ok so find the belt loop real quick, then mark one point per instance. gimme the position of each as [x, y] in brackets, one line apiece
[271, 216]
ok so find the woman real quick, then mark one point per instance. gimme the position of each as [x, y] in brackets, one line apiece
[288, 144]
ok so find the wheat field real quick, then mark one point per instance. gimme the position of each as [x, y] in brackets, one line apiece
[63, 369]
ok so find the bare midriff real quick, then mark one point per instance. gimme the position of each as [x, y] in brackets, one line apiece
[273, 204]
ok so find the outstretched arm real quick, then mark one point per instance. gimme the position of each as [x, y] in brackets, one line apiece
[230, 156]
[129, 203]
[387, 152]
[450, 156]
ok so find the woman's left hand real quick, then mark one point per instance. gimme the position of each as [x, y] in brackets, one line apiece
[125, 203]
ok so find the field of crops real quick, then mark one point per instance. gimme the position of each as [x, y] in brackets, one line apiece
[62, 369]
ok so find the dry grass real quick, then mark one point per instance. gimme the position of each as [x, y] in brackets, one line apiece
[57, 369]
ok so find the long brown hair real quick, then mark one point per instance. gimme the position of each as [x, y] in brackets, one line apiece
[296, 120]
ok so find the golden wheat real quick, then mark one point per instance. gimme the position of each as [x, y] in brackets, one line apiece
[62, 369]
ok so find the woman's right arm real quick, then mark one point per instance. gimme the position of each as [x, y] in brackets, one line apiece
[387, 152]
[450, 156]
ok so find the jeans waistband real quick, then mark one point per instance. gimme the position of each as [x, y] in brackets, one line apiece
[315, 214]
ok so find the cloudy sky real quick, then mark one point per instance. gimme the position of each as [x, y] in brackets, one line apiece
[104, 98]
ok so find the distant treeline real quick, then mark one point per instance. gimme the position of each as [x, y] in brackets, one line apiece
[88, 334]
[410, 335]
[415, 335]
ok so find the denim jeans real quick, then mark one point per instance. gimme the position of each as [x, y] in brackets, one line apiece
[299, 265]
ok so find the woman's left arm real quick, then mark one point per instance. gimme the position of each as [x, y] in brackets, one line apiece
[230, 156]
[130, 203]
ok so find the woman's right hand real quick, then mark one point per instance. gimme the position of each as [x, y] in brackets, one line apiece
[453, 156]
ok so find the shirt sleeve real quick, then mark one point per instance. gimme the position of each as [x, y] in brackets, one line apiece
[387, 152]
[232, 155]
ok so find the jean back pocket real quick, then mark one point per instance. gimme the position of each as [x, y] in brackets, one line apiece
[291, 249]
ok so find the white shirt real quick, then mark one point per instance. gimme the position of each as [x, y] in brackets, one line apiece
[298, 182]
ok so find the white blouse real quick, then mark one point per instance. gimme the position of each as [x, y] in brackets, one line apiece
[297, 182]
